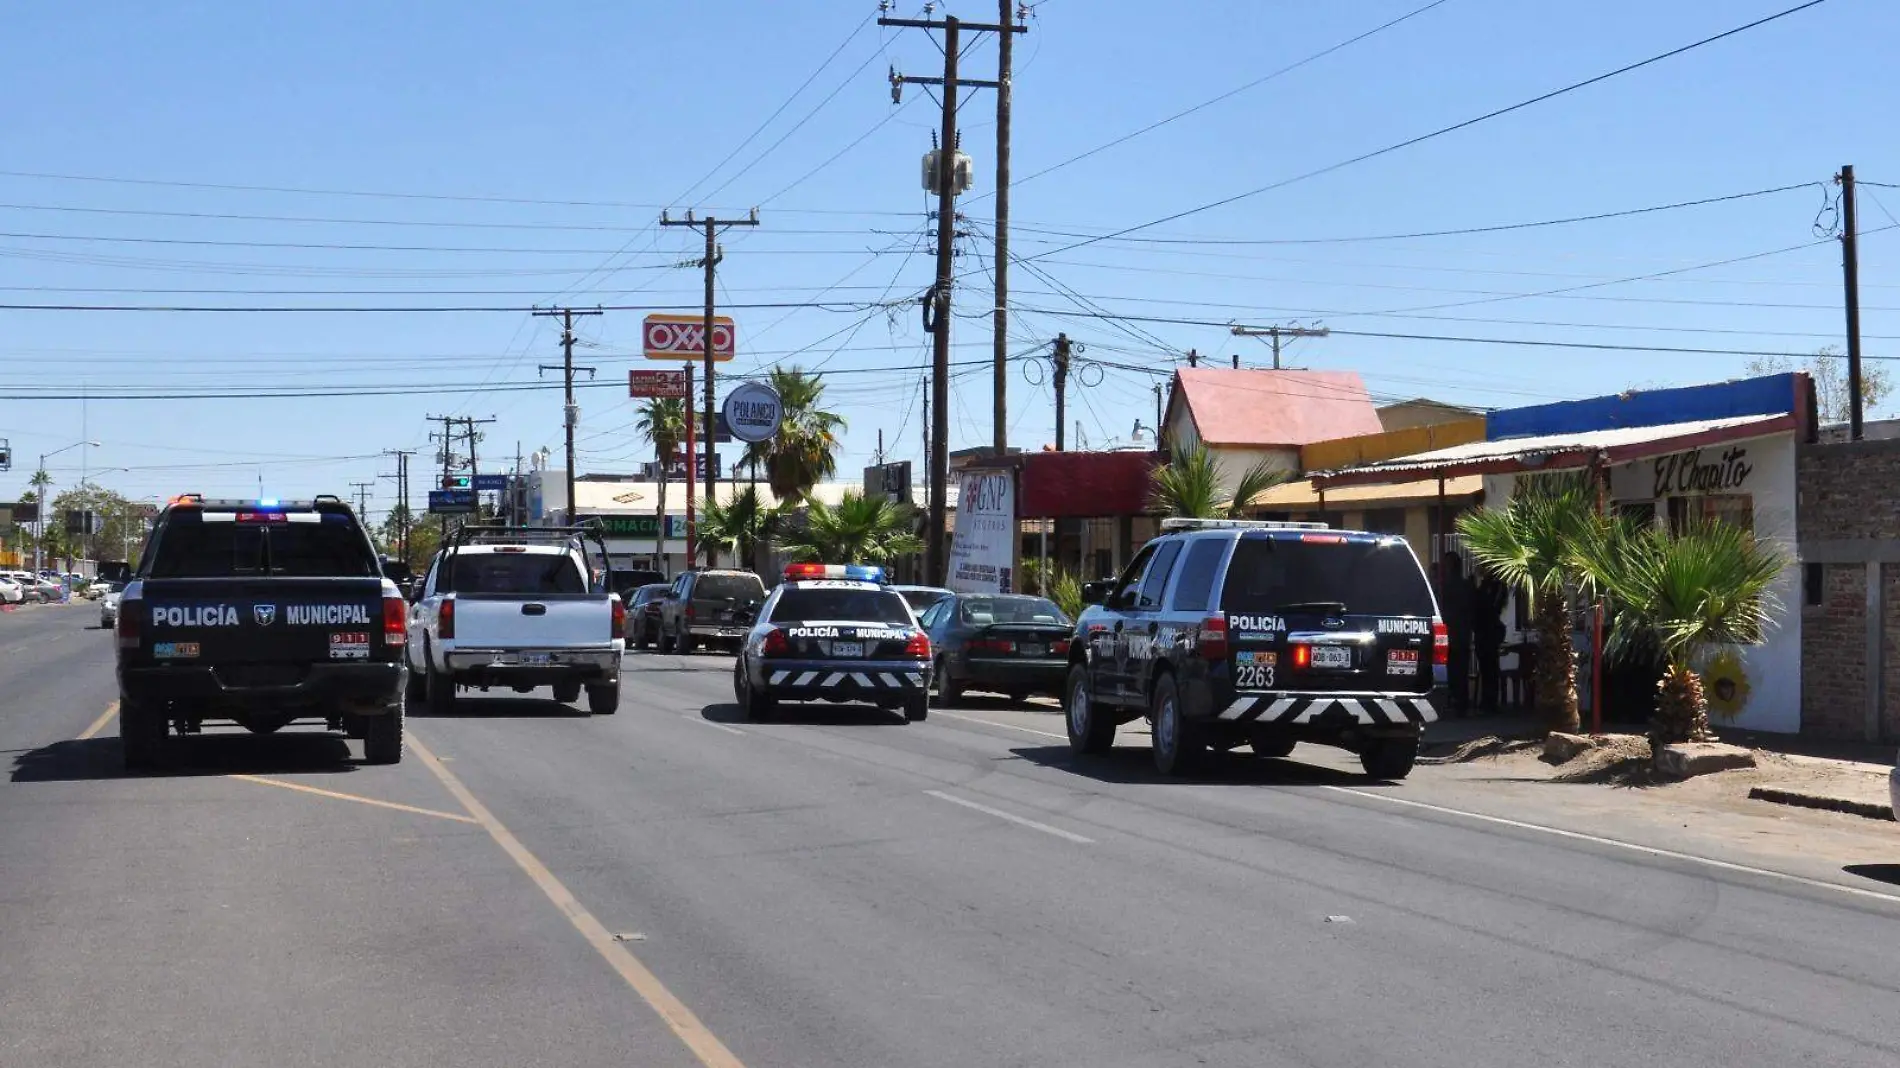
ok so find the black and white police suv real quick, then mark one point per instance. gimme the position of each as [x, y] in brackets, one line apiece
[834, 632]
[1226, 633]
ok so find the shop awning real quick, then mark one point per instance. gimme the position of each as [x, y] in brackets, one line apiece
[1304, 496]
[1554, 452]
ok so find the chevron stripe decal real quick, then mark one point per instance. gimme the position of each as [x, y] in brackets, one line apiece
[1371, 710]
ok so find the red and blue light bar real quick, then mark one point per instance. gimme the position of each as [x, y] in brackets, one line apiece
[852, 572]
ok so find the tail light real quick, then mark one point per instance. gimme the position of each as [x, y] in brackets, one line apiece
[620, 618]
[129, 624]
[1441, 643]
[689, 611]
[777, 644]
[1213, 643]
[445, 619]
[1302, 657]
[918, 647]
[1060, 647]
[990, 645]
[395, 621]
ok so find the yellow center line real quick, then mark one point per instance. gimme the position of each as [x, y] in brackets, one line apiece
[100, 723]
[687, 1027]
[359, 799]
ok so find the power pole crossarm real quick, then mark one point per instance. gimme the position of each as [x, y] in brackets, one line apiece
[1276, 334]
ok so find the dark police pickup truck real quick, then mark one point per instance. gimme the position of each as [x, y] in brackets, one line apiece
[261, 613]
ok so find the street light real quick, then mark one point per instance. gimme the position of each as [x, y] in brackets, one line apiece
[39, 547]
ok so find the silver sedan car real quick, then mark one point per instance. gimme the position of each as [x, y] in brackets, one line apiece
[109, 606]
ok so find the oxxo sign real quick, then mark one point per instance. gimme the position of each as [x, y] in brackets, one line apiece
[683, 337]
[753, 411]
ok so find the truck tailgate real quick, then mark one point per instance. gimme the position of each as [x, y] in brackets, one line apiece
[547, 621]
[224, 621]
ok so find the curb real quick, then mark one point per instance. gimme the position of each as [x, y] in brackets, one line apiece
[1868, 809]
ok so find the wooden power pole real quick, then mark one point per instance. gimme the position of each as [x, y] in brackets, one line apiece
[1850, 276]
[1276, 334]
[571, 413]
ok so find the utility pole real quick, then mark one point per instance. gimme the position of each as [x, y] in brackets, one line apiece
[1850, 273]
[447, 438]
[712, 226]
[572, 413]
[1276, 334]
[1158, 415]
[362, 500]
[999, 324]
[1061, 376]
[938, 307]
[404, 519]
[474, 465]
[1193, 358]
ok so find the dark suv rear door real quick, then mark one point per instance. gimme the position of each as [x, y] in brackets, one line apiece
[1328, 611]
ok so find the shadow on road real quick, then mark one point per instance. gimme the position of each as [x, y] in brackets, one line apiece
[818, 715]
[1885, 873]
[203, 754]
[1132, 765]
[510, 707]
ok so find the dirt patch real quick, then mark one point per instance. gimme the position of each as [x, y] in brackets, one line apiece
[1615, 759]
[1489, 747]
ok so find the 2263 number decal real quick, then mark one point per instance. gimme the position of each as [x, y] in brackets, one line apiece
[1254, 670]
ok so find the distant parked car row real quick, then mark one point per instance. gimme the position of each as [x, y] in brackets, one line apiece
[18, 587]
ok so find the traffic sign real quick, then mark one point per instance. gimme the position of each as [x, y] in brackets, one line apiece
[451, 502]
[658, 384]
[753, 411]
[491, 483]
[683, 337]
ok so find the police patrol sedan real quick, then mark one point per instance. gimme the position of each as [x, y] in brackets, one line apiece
[834, 632]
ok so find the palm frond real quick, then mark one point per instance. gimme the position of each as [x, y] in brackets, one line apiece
[1255, 481]
[1709, 585]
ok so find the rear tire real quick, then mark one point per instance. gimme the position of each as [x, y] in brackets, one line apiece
[603, 700]
[683, 644]
[1178, 742]
[383, 736]
[415, 690]
[142, 734]
[440, 690]
[1090, 732]
[758, 706]
[567, 692]
[1389, 758]
[944, 690]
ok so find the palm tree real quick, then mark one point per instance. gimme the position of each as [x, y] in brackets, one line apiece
[1189, 486]
[1530, 546]
[859, 530]
[662, 420]
[804, 452]
[1685, 594]
[738, 526]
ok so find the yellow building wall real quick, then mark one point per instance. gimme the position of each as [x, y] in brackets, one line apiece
[1368, 448]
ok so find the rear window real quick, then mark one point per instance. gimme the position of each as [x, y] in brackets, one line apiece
[728, 587]
[1014, 609]
[1368, 578]
[919, 600]
[188, 547]
[852, 606]
[532, 574]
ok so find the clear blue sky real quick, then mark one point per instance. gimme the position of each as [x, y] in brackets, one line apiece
[630, 106]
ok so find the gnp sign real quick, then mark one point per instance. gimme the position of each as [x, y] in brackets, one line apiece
[683, 337]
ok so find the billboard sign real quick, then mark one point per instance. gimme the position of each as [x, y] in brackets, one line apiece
[983, 547]
[676, 468]
[671, 384]
[491, 483]
[683, 337]
[888, 482]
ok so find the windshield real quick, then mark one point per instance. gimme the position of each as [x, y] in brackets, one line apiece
[1367, 578]
[1012, 609]
[188, 547]
[533, 574]
[728, 588]
[864, 606]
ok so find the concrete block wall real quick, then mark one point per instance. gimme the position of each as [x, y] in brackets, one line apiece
[1849, 505]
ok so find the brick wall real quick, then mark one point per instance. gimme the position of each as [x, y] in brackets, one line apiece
[1848, 492]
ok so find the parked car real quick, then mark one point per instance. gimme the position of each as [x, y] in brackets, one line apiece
[10, 591]
[1008, 643]
[643, 613]
[920, 598]
[109, 605]
[1893, 787]
[714, 607]
[36, 589]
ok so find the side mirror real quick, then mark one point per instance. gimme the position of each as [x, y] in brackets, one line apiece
[1095, 592]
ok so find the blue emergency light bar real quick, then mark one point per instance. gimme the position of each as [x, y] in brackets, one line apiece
[853, 572]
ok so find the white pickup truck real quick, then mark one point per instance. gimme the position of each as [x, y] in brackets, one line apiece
[516, 608]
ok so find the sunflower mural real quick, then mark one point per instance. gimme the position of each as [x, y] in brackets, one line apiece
[1725, 684]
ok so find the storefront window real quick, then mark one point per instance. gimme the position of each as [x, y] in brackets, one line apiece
[1735, 508]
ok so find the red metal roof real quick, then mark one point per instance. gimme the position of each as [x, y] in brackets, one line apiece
[1275, 409]
[1068, 485]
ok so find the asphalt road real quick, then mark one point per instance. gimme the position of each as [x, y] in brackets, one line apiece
[673, 886]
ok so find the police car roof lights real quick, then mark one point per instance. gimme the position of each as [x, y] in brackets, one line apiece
[1182, 523]
[855, 572]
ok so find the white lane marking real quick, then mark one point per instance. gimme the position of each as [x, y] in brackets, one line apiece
[690, 718]
[1005, 726]
[1011, 817]
[1766, 873]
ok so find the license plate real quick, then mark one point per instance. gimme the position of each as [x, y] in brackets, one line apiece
[725, 617]
[1332, 656]
[842, 649]
[528, 658]
[1032, 649]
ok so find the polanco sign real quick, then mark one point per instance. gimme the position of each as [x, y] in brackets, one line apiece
[683, 337]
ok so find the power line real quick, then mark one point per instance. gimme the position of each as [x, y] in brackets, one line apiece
[1440, 132]
[372, 309]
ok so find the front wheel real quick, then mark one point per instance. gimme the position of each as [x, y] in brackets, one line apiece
[946, 692]
[603, 700]
[1178, 744]
[1090, 731]
[440, 687]
[1389, 758]
[759, 705]
[683, 643]
[916, 709]
[567, 692]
